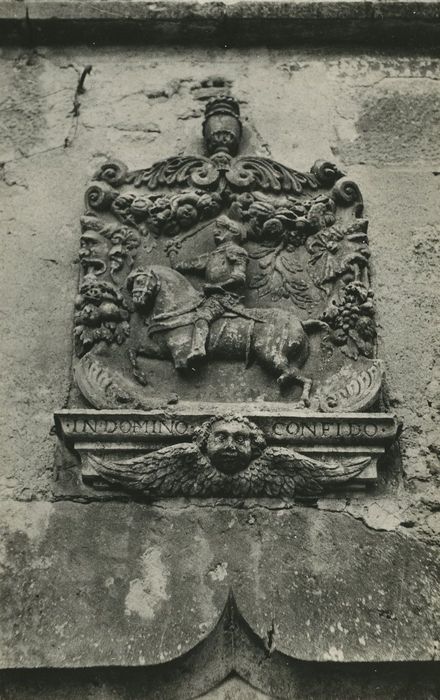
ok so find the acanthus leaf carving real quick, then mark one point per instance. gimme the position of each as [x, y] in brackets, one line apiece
[251, 172]
[242, 173]
[176, 171]
[339, 251]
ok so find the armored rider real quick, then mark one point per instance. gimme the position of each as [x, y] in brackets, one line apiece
[225, 273]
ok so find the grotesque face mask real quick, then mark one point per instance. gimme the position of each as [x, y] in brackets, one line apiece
[229, 446]
[93, 253]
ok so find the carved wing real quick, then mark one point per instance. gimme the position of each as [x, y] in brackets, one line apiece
[289, 472]
[179, 170]
[170, 471]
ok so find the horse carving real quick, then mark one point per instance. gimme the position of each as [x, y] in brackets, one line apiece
[168, 302]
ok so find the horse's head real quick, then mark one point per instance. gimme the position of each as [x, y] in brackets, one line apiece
[143, 284]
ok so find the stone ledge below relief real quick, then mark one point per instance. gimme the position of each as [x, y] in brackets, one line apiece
[194, 450]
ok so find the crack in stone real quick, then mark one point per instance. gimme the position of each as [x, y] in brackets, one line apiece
[397, 77]
[400, 529]
[76, 109]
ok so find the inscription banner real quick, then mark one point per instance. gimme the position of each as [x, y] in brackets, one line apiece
[290, 428]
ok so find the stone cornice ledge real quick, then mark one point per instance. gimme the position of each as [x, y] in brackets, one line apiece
[406, 23]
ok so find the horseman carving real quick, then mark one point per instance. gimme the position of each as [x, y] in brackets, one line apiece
[259, 230]
[179, 319]
[224, 270]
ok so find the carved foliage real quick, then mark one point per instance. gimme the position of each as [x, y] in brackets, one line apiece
[166, 215]
[281, 230]
[101, 315]
[338, 252]
[242, 173]
[287, 242]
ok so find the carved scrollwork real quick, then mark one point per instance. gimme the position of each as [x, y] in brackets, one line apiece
[249, 172]
[98, 385]
[113, 172]
[99, 196]
[326, 173]
[176, 171]
[350, 390]
[242, 173]
[346, 193]
[207, 175]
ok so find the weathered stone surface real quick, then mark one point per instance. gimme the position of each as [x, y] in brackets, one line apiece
[156, 579]
[313, 102]
[235, 22]
[388, 123]
[161, 91]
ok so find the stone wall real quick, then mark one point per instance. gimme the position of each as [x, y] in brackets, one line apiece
[131, 585]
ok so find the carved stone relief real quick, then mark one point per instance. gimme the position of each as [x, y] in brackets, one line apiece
[224, 331]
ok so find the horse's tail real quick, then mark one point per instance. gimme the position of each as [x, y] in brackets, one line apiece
[314, 325]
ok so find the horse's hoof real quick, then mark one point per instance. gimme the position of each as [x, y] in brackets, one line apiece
[303, 403]
[285, 381]
[195, 358]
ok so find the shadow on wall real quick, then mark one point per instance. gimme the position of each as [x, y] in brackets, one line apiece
[232, 662]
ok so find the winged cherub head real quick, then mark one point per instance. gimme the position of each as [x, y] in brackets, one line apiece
[230, 442]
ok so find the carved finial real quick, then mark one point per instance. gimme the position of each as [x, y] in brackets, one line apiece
[222, 126]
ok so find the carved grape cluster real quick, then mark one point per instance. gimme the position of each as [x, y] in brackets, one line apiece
[352, 321]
